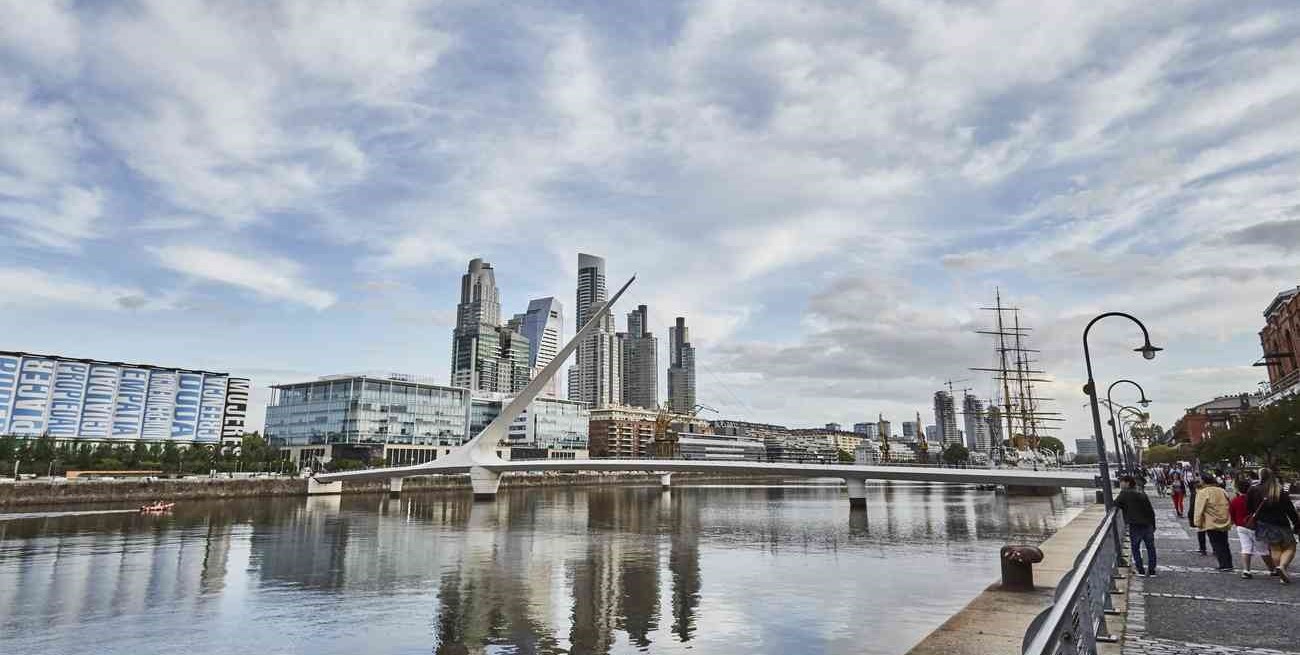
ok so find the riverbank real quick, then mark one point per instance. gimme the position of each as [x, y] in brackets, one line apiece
[996, 621]
[91, 491]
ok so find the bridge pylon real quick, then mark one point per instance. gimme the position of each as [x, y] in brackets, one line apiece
[484, 482]
[857, 492]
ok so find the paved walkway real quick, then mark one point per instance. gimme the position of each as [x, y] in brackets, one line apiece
[1191, 609]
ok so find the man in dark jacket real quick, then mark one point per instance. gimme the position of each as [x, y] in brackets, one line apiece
[1141, 519]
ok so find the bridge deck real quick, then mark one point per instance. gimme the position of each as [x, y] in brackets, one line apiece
[1051, 478]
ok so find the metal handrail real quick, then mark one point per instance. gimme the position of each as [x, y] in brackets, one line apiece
[1076, 619]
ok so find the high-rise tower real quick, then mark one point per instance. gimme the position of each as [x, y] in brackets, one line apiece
[945, 419]
[640, 361]
[485, 356]
[977, 427]
[543, 325]
[681, 368]
[597, 375]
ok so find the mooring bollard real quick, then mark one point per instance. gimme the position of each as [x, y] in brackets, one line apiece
[1018, 567]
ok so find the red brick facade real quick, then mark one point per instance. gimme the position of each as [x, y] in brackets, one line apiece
[1281, 334]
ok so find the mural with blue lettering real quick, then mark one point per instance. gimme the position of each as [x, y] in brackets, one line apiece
[189, 395]
[128, 413]
[32, 397]
[211, 409]
[101, 396]
[65, 402]
[8, 384]
[159, 405]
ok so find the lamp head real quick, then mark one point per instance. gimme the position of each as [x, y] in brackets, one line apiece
[1145, 402]
[1148, 351]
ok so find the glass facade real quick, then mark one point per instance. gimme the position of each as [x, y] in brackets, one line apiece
[551, 423]
[367, 410]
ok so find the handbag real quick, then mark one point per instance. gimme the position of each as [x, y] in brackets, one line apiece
[1250, 523]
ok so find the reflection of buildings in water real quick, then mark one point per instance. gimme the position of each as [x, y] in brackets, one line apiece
[487, 598]
[684, 562]
[886, 490]
[308, 548]
[957, 511]
[215, 558]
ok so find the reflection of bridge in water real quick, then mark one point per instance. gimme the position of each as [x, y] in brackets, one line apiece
[478, 456]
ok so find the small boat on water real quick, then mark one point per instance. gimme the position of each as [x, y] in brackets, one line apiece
[156, 508]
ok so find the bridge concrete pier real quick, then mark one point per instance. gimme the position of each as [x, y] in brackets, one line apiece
[484, 483]
[665, 480]
[315, 488]
[395, 487]
[857, 492]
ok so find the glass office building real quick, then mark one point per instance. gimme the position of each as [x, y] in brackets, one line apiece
[368, 409]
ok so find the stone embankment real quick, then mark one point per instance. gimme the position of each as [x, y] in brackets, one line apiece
[90, 491]
[996, 621]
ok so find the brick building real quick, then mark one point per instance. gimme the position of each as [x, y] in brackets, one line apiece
[1280, 340]
[1200, 422]
[629, 432]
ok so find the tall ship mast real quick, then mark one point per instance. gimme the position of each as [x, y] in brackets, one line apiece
[1014, 375]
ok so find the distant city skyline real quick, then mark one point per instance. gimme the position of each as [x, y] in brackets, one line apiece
[735, 158]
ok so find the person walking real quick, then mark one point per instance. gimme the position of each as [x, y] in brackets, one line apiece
[1178, 491]
[1141, 520]
[1276, 522]
[1245, 529]
[1210, 514]
[1193, 486]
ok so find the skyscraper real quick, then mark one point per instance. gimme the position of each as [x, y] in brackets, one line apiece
[945, 419]
[977, 427]
[640, 361]
[543, 325]
[485, 356]
[681, 368]
[596, 378]
[993, 417]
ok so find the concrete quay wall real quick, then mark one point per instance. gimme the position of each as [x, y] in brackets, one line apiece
[996, 621]
[88, 491]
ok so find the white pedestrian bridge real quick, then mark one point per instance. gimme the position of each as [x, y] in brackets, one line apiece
[478, 457]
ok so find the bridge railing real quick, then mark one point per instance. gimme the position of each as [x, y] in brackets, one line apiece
[1076, 620]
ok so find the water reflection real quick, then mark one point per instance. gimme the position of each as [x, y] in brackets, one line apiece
[713, 569]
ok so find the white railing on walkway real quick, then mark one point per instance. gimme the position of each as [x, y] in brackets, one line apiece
[1076, 621]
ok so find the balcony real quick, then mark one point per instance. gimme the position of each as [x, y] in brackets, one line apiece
[1287, 385]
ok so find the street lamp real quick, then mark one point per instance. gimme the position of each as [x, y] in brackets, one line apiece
[1126, 431]
[1124, 461]
[1148, 352]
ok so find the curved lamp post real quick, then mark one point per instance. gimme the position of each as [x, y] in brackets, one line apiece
[1124, 461]
[1126, 431]
[1148, 352]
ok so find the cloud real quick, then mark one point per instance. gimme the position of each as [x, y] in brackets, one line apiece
[34, 288]
[1283, 235]
[825, 190]
[269, 277]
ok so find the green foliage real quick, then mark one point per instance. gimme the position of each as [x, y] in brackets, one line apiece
[1269, 435]
[1051, 444]
[844, 456]
[1159, 454]
[344, 465]
[956, 454]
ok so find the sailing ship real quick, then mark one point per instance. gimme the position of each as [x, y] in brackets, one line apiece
[1015, 400]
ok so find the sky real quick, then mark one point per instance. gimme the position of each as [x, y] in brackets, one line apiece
[827, 191]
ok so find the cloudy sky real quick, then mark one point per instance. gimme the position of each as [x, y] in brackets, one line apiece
[828, 191]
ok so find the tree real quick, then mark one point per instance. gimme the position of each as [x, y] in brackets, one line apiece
[1051, 444]
[1159, 454]
[956, 454]
[844, 456]
[1270, 434]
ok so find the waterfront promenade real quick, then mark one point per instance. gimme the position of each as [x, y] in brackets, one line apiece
[1191, 609]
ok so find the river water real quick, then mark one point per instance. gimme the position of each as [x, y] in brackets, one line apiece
[704, 569]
